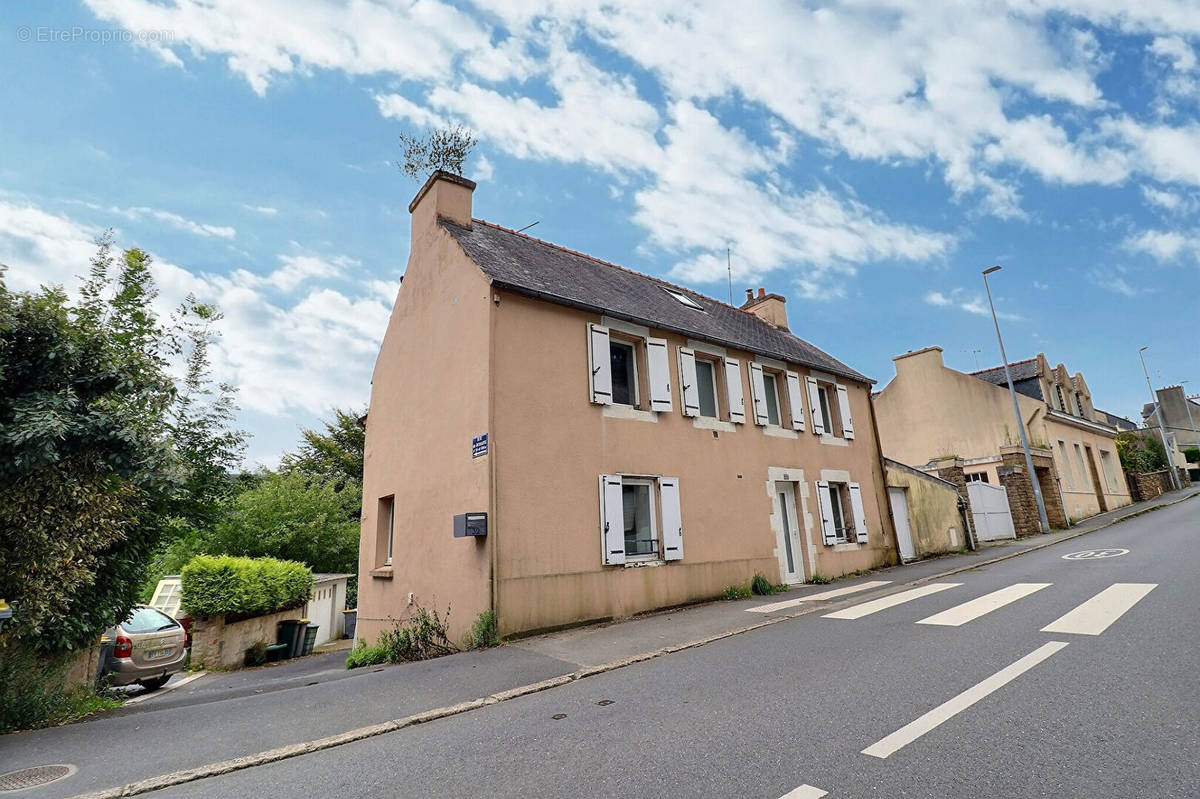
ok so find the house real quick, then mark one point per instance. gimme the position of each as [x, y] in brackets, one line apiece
[559, 439]
[1180, 415]
[930, 413]
[929, 512]
[1122, 423]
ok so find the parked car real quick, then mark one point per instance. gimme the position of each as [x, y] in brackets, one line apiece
[146, 648]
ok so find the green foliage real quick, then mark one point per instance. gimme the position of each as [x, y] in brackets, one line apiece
[484, 632]
[336, 454]
[736, 592]
[764, 587]
[245, 586]
[419, 637]
[1141, 451]
[363, 654]
[33, 690]
[1192, 454]
[819, 579]
[444, 148]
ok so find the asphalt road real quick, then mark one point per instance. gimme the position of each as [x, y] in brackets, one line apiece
[794, 704]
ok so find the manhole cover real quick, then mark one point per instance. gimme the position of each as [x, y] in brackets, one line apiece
[33, 777]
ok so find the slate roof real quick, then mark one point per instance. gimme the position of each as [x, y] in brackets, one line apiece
[1025, 377]
[1119, 422]
[555, 274]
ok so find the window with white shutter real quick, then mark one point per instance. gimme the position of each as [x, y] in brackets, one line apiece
[758, 394]
[814, 406]
[844, 407]
[600, 364]
[733, 390]
[612, 519]
[795, 400]
[825, 508]
[659, 374]
[860, 517]
[672, 518]
[689, 395]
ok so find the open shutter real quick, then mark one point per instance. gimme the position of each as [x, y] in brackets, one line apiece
[795, 400]
[814, 405]
[689, 393]
[844, 406]
[612, 519]
[672, 518]
[600, 364]
[758, 394]
[733, 390]
[660, 374]
[825, 509]
[860, 518]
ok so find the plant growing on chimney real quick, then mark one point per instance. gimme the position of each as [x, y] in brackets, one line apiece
[444, 148]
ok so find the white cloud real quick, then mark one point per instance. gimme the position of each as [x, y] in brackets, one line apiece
[140, 213]
[963, 300]
[1115, 280]
[1163, 245]
[265, 210]
[1176, 50]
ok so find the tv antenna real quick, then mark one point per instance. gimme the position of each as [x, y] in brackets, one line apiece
[729, 272]
[975, 355]
[531, 224]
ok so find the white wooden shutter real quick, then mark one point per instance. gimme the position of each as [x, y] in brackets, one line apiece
[733, 390]
[844, 406]
[825, 510]
[660, 374]
[814, 405]
[612, 519]
[795, 400]
[600, 364]
[689, 393]
[860, 518]
[758, 394]
[672, 518]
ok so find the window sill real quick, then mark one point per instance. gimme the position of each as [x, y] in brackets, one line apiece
[382, 573]
[779, 432]
[834, 441]
[626, 412]
[846, 546]
[641, 564]
[709, 423]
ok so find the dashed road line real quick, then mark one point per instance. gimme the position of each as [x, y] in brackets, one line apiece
[1094, 616]
[876, 605]
[981, 606]
[805, 792]
[821, 597]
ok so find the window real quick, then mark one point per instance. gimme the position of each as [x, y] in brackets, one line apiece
[771, 395]
[827, 415]
[843, 519]
[1084, 477]
[839, 517]
[624, 372]
[1062, 403]
[823, 398]
[148, 620]
[1067, 476]
[167, 595]
[1079, 405]
[1106, 463]
[706, 386]
[640, 519]
[384, 530]
[978, 477]
[684, 299]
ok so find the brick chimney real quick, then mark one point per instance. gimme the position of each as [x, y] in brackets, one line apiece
[767, 307]
[444, 196]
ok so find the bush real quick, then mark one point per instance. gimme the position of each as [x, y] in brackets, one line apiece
[736, 592]
[764, 587]
[363, 654]
[33, 690]
[1192, 454]
[419, 637]
[245, 586]
[484, 632]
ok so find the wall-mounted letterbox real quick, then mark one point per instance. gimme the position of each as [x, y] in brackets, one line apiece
[466, 524]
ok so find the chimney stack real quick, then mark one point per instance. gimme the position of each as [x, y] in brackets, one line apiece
[444, 196]
[767, 307]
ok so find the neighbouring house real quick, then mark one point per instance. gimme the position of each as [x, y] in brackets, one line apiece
[559, 439]
[929, 512]
[1180, 415]
[929, 413]
[1120, 422]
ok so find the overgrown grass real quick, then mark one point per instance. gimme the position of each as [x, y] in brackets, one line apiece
[819, 579]
[484, 632]
[419, 637]
[34, 694]
[736, 592]
[763, 587]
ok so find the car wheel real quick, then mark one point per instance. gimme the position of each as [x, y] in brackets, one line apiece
[155, 684]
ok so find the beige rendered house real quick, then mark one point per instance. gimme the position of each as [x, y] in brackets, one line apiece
[929, 412]
[560, 439]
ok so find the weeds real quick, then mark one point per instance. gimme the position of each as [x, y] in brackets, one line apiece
[34, 691]
[419, 637]
[819, 579]
[485, 632]
[736, 592]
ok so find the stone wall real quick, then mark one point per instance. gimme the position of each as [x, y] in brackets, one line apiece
[1185, 478]
[1148, 485]
[1021, 500]
[217, 644]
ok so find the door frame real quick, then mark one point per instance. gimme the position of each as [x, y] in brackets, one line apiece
[789, 527]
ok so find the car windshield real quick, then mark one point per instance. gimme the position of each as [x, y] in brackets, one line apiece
[148, 620]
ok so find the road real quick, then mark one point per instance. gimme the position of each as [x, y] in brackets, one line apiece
[1002, 708]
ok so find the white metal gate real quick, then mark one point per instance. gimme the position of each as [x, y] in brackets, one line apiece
[989, 511]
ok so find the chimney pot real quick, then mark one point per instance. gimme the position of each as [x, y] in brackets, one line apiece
[749, 295]
[762, 293]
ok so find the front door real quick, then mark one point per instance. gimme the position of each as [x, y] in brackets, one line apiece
[899, 500]
[791, 560]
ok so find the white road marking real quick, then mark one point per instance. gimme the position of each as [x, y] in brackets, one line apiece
[1094, 616]
[876, 605]
[981, 606]
[836, 592]
[166, 689]
[948, 710]
[805, 792]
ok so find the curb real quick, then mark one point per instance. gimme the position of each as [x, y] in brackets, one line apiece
[166, 689]
[295, 750]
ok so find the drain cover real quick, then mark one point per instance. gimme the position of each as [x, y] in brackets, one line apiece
[33, 777]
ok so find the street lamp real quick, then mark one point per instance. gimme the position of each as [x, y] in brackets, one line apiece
[1012, 392]
[1162, 430]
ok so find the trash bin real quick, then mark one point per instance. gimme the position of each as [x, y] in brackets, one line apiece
[291, 632]
[310, 638]
[351, 617]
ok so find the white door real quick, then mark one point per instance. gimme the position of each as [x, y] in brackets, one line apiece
[791, 561]
[898, 498]
[989, 511]
[320, 611]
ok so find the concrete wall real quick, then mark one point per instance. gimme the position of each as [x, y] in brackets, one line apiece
[220, 645]
[933, 514]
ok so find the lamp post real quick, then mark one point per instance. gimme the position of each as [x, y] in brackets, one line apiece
[1012, 392]
[1162, 430]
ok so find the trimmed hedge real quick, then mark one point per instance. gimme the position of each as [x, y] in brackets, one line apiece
[243, 586]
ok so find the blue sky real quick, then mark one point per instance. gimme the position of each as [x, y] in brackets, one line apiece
[866, 159]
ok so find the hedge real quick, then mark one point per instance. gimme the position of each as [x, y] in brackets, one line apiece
[243, 586]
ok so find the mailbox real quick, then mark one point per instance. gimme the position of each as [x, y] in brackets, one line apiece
[470, 524]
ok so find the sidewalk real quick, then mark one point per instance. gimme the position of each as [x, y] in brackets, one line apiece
[289, 708]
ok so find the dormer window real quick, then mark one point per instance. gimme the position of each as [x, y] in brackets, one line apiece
[684, 299]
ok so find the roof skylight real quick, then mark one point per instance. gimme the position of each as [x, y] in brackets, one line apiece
[685, 299]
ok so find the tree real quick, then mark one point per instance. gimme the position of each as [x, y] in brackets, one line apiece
[335, 454]
[1141, 451]
[444, 148]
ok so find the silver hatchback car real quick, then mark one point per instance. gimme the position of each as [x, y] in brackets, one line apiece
[146, 648]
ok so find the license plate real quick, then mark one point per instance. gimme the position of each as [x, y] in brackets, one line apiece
[159, 654]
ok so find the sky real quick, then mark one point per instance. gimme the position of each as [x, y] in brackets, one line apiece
[865, 158]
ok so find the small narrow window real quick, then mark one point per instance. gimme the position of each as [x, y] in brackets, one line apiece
[1079, 404]
[826, 407]
[640, 536]
[624, 373]
[706, 385]
[385, 527]
[841, 529]
[772, 398]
